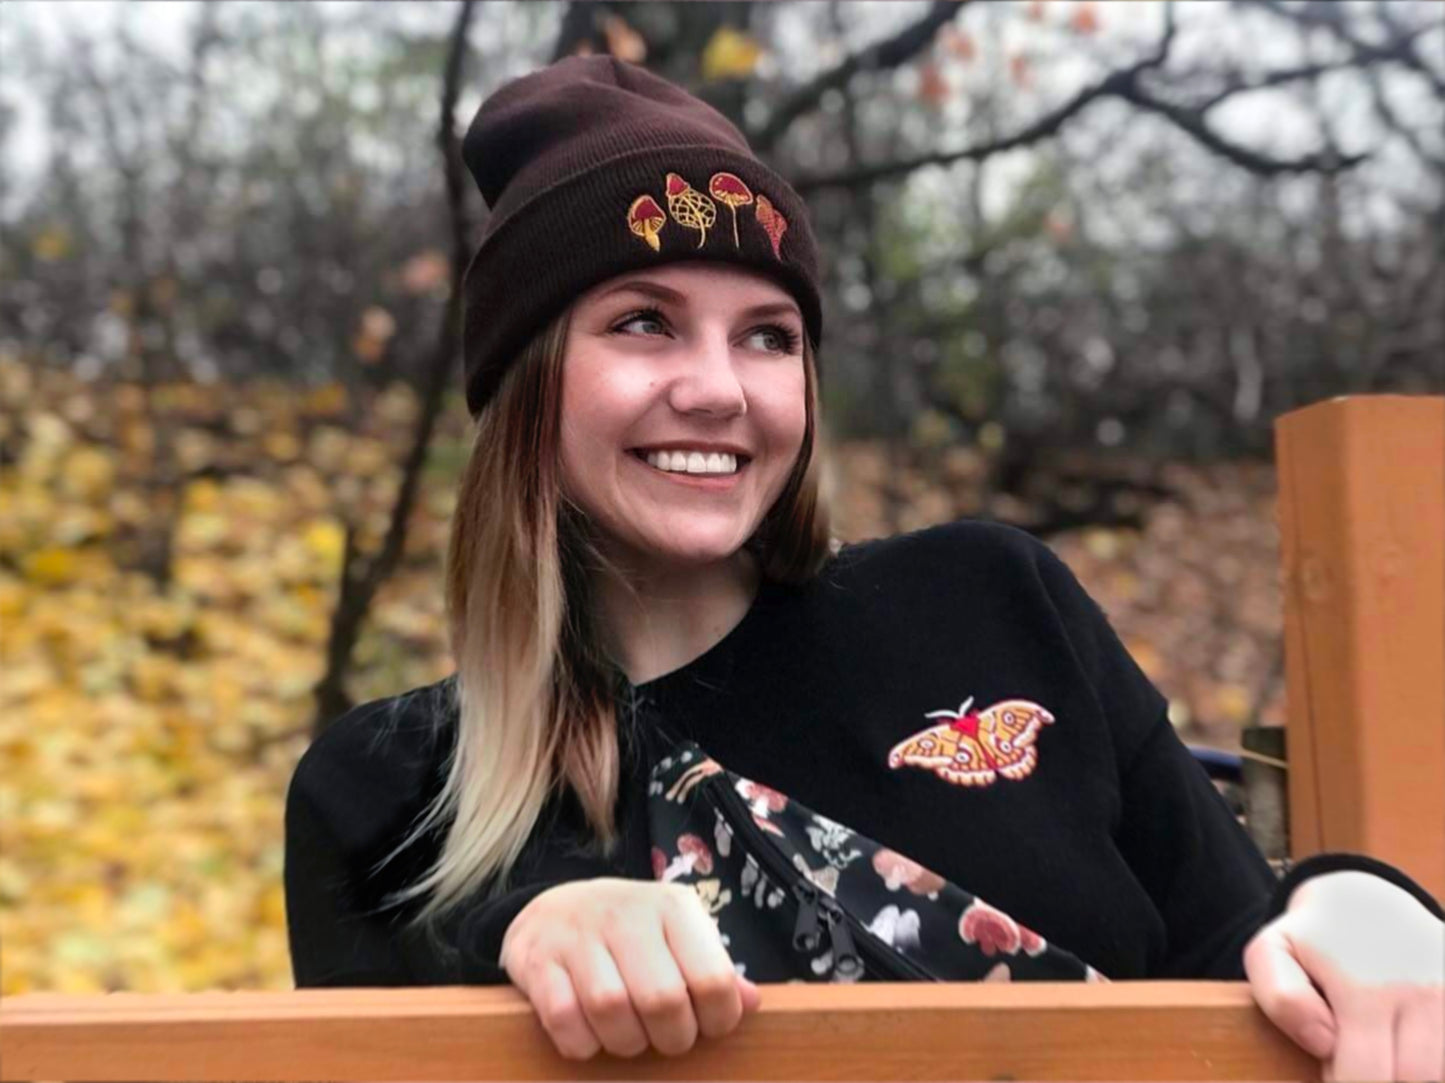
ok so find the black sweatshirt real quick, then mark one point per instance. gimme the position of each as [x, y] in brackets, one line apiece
[1113, 844]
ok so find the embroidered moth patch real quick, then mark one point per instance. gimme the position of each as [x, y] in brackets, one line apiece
[973, 748]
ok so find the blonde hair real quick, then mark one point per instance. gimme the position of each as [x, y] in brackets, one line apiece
[534, 689]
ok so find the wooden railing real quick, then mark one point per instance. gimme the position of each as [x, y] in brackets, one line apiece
[1362, 516]
[1124, 1030]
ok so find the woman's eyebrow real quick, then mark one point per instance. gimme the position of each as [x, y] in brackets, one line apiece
[663, 293]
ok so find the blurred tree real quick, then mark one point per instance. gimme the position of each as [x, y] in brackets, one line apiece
[1046, 230]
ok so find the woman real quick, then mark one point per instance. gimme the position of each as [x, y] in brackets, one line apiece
[641, 541]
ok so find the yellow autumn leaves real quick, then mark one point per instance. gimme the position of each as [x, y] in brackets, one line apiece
[147, 732]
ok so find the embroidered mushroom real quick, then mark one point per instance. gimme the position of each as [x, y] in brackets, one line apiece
[772, 222]
[729, 188]
[690, 207]
[645, 218]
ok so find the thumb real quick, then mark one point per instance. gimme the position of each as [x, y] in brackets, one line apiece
[1285, 993]
[752, 995]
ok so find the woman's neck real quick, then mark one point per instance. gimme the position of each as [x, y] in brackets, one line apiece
[677, 614]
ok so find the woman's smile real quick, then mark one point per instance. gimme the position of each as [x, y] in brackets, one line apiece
[708, 471]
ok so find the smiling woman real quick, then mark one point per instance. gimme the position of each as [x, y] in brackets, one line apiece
[641, 553]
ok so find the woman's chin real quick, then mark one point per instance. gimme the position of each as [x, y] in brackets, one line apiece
[696, 549]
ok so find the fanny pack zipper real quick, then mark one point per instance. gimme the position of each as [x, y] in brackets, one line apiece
[817, 911]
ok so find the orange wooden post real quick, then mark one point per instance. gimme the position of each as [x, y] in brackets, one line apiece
[1362, 530]
[921, 1031]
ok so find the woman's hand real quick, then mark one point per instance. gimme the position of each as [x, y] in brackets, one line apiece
[623, 965]
[1354, 972]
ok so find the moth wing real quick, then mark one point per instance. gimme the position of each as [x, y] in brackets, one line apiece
[971, 763]
[929, 747]
[1010, 729]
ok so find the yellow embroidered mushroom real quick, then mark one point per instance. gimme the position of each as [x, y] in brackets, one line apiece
[690, 207]
[645, 218]
[729, 188]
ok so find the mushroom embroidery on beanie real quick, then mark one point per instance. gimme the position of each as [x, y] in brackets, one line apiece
[592, 167]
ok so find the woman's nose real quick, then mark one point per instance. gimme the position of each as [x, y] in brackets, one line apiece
[709, 381]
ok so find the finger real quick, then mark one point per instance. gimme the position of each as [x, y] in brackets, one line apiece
[1285, 994]
[555, 1002]
[657, 988]
[1420, 1038]
[752, 995]
[712, 979]
[1364, 1040]
[605, 999]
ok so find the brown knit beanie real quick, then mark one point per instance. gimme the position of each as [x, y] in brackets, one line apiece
[593, 167]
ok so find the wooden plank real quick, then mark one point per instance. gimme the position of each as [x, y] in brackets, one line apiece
[919, 1031]
[1362, 526]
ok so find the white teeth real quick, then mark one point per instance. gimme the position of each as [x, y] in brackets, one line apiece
[694, 462]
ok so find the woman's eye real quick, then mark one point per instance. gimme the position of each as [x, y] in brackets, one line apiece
[640, 317]
[785, 340]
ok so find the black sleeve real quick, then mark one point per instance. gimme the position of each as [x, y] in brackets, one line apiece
[1203, 871]
[333, 942]
[1207, 878]
[353, 797]
[1319, 864]
[486, 926]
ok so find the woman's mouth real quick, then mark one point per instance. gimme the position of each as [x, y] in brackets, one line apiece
[709, 470]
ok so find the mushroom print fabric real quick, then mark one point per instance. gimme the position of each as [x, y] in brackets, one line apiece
[800, 897]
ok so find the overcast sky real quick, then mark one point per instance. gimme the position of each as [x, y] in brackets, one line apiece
[1209, 29]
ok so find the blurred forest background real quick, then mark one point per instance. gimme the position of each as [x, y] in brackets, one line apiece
[1078, 257]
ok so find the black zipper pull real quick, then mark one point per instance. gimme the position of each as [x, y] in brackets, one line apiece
[845, 954]
[806, 932]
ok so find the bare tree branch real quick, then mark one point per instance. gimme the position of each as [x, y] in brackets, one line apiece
[1388, 117]
[1236, 83]
[890, 53]
[360, 580]
[1124, 83]
[1401, 45]
[1191, 121]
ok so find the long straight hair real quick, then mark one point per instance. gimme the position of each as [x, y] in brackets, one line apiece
[534, 689]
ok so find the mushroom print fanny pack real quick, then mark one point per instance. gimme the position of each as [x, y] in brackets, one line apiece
[799, 897]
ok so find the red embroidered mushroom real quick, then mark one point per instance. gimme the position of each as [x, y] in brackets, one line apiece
[772, 222]
[646, 219]
[729, 188]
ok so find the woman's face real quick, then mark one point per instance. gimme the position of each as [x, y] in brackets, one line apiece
[709, 385]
